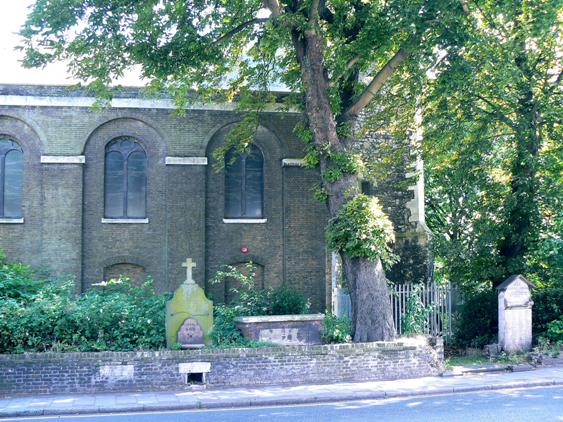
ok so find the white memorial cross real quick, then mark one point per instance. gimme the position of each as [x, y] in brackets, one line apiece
[189, 264]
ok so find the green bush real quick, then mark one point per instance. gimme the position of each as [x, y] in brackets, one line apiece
[335, 329]
[477, 322]
[284, 301]
[548, 306]
[554, 331]
[39, 315]
[225, 333]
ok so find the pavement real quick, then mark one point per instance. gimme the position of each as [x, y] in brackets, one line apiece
[484, 378]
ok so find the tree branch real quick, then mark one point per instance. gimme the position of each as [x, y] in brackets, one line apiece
[465, 7]
[239, 28]
[377, 82]
[348, 66]
[274, 7]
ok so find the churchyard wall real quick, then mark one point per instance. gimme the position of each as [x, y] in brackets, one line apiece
[37, 373]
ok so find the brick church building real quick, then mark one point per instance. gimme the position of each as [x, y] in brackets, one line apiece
[132, 190]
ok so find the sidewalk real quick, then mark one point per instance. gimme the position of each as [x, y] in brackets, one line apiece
[277, 395]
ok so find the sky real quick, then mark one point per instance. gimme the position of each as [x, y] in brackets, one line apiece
[12, 16]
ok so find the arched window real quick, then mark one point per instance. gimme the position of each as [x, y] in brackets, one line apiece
[11, 179]
[125, 179]
[244, 184]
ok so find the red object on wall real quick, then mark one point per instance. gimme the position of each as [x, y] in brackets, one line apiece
[244, 249]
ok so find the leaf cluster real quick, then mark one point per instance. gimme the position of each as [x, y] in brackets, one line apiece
[361, 229]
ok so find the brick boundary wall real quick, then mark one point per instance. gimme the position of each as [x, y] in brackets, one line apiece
[44, 373]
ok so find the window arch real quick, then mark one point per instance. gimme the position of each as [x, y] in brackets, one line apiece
[244, 184]
[125, 179]
[11, 178]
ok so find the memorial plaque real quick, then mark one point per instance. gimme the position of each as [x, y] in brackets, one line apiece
[190, 333]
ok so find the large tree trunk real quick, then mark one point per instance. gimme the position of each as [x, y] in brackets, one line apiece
[521, 208]
[372, 318]
[371, 307]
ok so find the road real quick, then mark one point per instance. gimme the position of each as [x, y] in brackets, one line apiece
[539, 404]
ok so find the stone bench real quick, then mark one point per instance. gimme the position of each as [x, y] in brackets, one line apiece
[282, 329]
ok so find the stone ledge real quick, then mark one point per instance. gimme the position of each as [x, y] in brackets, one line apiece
[63, 159]
[245, 220]
[280, 318]
[293, 162]
[11, 220]
[125, 221]
[186, 161]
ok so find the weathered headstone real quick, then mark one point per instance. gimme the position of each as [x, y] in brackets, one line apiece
[515, 314]
[189, 314]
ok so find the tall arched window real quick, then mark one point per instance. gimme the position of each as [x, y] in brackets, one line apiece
[244, 184]
[11, 179]
[125, 179]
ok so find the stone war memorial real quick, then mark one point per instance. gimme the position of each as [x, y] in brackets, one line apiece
[189, 314]
[515, 314]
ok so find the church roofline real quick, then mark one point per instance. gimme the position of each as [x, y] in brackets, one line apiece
[123, 97]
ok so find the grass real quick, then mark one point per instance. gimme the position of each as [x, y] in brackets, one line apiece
[479, 359]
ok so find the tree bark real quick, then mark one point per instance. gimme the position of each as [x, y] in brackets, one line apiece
[371, 308]
[372, 318]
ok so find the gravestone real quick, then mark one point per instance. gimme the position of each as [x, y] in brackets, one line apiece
[189, 314]
[515, 314]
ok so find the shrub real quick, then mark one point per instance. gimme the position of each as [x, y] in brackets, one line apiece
[44, 315]
[477, 323]
[225, 333]
[284, 301]
[336, 329]
[548, 306]
[554, 331]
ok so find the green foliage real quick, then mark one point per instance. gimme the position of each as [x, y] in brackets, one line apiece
[477, 324]
[225, 333]
[361, 229]
[44, 315]
[251, 301]
[336, 329]
[554, 331]
[492, 150]
[320, 193]
[285, 301]
[342, 163]
[415, 318]
[548, 306]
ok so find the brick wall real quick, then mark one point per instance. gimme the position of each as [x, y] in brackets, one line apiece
[37, 373]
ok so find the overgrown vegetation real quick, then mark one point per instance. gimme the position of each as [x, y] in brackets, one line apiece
[336, 329]
[250, 301]
[40, 314]
[415, 318]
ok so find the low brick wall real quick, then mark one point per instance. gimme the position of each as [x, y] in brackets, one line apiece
[43, 373]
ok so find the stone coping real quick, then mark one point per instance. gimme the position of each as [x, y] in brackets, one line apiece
[397, 345]
[279, 318]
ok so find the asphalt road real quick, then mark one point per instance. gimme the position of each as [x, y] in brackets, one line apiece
[539, 404]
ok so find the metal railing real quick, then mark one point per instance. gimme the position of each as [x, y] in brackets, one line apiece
[436, 299]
